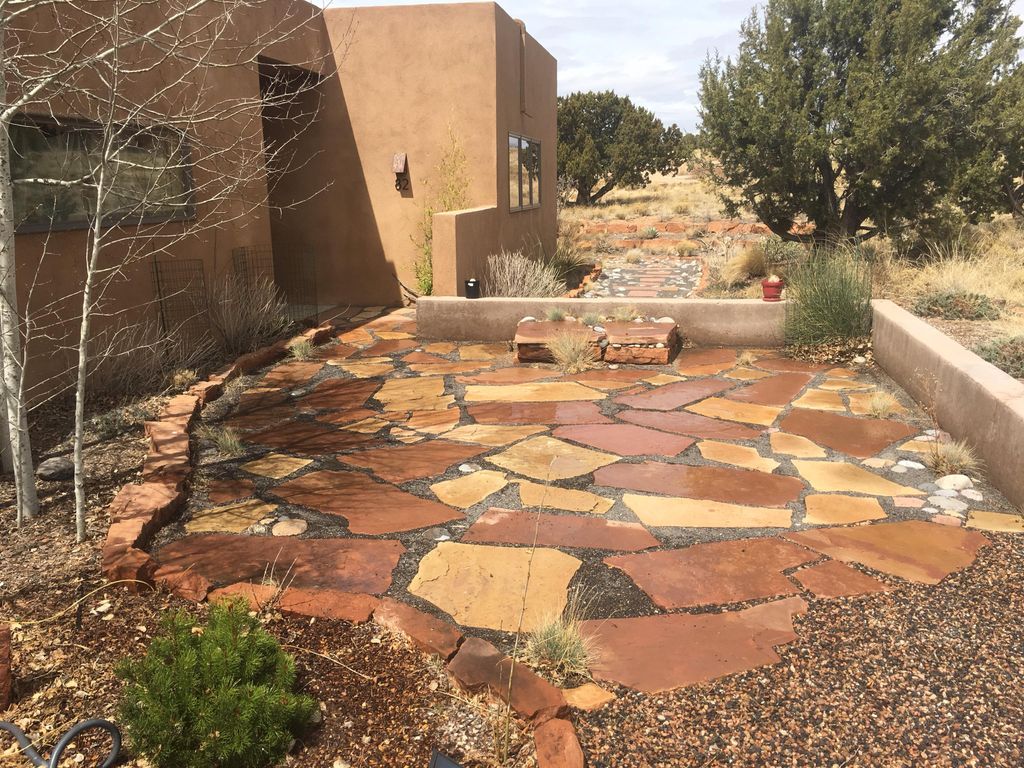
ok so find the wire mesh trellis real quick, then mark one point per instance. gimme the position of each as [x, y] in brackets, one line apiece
[293, 272]
[182, 297]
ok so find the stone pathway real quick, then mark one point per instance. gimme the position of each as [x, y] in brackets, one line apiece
[696, 508]
[647, 276]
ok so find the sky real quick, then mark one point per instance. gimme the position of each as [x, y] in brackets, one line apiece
[650, 50]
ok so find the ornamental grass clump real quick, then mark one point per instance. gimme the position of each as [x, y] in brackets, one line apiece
[559, 648]
[954, 457]
[829, 298]
[572, 350]
[219, 695]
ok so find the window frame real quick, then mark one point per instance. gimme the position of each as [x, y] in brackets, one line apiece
[525, 144]
[184, 213]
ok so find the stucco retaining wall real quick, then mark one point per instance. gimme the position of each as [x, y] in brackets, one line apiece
[972, 399]
[724, 322]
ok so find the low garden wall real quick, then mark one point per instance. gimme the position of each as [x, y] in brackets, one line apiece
[970, 398]
[720, 322]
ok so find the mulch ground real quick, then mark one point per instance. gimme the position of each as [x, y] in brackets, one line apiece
[925, 676]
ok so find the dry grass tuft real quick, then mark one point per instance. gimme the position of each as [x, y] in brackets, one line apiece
[955, 457]
[746, 358]
[634, 256]
[624, 314]
[514, 273]
[559, 648]
[302, 350]
[555, 315]
[747, 263]
[883, 405]
[183, 378]
[572, 351]
[225, 439]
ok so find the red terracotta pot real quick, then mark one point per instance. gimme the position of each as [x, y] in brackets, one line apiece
[772, 291]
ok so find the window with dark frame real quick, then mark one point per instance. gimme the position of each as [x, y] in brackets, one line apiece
[53, 163]
[524, 162]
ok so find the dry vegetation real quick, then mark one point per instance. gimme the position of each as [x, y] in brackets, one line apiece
[667, 197]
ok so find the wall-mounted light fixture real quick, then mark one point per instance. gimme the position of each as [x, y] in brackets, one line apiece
[400, 167]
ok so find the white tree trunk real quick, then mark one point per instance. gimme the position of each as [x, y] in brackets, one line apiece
[10, 325]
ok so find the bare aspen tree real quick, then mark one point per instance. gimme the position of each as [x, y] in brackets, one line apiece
[169, 156]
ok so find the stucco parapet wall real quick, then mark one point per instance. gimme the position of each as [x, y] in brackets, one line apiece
[723, 322]
[971, 399]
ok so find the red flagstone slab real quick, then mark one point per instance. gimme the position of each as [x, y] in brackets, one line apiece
[692, 424]
[335, 352]
[230, 489]
[260, 418]
[778, 390]
[410, 462]
[621, 375]
[429, 634]
[347, 565]
[581, 412]
[425, 358]
[734, 486]
[672, 396]
[318, 603]
[557, 745]
[259, 399]
[338, 394]
[479, 666]
[705, 362]
[311, 439]
[715, 573]
[835, 579]
[862, 438]
[369, 507]
[789, 365]
[626, 439]
[348, 416]
[658, 653]
[389, 347]
[292, 374]
[508, 526]
[913, 549]
[513, 375]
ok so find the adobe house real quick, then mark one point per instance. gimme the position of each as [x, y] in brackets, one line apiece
[394, 88]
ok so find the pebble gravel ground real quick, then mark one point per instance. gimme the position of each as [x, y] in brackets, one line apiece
[921, 676]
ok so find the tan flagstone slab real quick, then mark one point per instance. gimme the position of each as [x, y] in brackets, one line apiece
[393, 335]
[399, 464]
[435, 422]
[357, 336]
[439, 348]
[833, 476]
[820, 400]
[567, 499]
[842, 373]
[367, 426]
[659, 653]
[669, 512]
[387, 348]
[825, 509]
[588, 697]
[715, 573]
[493, 434]
[230, 518]
[444, 368]
[525, 528]
[833, 578]
[484, 352]
[294, 373]
[367, 368]
[276, 465]
[545, 458]
[579, 412]
[913, 549]
[915, 446]
[512, 375]
[488, 587]
[533, 392]
[997, 522]
[464, 492]
[422, 393]
[747, 374]
[705, 362]
[664, 378]
[347, 416]
[737, 455]
[860, 404]
[845, 385]
[406, 436]
[746, 413]
[794, 445]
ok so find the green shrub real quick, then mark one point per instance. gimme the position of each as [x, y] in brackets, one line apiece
[957, 305]
[219, 696]
[1006, 353]
[778, 252]
[829, 295]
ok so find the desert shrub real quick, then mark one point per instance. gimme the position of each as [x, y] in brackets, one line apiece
[829, 295]
[749, 262]
[1006, 353]
[559, 648]
[957, 305]
[183, 378]
[954, 457]
[778, 252]
[648, 233]
[555, 314]
[246, 312]
[882, 405]
[572, 350]
[591, 319]
[302, 350]
[224, 439]
[213, 696]
[623, 314]
[634, 256]
[115, 421]
[604, 245]
[516, 274]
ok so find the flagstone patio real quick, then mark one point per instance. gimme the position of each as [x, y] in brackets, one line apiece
[697, 508]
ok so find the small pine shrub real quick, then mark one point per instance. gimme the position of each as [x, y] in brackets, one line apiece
[225, 439]
[829, 298]
[955, 457]
[957, 305]
[649, 233]
[213, 696]
[302, 350]
[1006, 353]
[572, 351]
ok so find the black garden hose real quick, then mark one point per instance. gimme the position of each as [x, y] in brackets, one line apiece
[65, 740]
